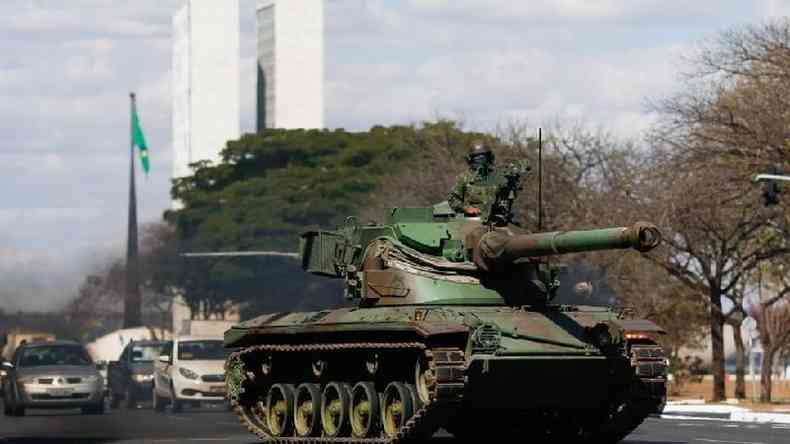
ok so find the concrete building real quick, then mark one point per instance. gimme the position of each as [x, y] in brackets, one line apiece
[205, 81]
[290, 64]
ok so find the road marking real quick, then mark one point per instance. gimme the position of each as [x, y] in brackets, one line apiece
[731, 426]
[690, 424]
[729, 442]
[692, 418]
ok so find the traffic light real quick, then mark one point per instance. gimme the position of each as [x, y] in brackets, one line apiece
[771, 191]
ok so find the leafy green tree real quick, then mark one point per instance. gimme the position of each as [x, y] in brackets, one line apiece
[270, 187]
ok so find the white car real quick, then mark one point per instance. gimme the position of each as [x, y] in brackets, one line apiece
[190, 370]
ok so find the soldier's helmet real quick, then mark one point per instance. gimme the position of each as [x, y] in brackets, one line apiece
[479, 151]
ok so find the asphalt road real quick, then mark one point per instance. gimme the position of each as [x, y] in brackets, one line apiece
[216, 425]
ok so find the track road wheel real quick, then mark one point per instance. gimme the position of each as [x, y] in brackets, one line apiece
[398, 407]
[416, 400]
[365, 410]
[335, 409]
[280, 410]
[307, 410]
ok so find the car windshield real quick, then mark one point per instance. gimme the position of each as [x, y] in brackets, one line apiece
[54, 355]
[145, 353]
[201, 350]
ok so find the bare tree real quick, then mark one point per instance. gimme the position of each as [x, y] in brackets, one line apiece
[772, 323]
[735, 102]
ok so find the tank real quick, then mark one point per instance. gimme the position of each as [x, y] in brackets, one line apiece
[452, 326]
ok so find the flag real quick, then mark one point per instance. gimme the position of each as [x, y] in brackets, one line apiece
[138, 140]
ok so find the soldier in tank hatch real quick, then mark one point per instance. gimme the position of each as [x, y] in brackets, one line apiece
[476, 188]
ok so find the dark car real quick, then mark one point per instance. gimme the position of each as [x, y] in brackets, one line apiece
[50, 375]
[130, 378]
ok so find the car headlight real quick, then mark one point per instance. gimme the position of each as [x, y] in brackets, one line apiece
[187, 373]
[142, 377]
[91, 378]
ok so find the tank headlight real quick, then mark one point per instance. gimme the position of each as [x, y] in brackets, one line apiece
[187, 373]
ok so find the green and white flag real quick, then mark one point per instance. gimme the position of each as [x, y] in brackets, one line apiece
[138, 140]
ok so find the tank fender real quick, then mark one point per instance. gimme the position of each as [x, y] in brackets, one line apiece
[429, 331]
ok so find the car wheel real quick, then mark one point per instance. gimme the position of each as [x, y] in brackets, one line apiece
[158, 402]
[8, 409]
[115, 401]
[129, 400]
[176, 406]
[18, 411]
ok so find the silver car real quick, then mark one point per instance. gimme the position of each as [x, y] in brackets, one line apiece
[51, 375]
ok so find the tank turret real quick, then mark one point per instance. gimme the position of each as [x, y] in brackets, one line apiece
[395, 262]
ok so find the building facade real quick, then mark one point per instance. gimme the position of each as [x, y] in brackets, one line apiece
[290, 92]
[205, 81]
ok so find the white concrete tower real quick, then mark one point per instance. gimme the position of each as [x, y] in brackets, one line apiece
[290, 64]
[205, 81]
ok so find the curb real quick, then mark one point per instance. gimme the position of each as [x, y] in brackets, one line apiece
[755, 417]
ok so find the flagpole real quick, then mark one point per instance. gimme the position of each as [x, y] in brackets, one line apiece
[132, 300]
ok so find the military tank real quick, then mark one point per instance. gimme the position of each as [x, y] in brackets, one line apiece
[452, 327]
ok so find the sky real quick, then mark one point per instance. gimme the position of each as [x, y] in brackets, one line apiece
[67, 68]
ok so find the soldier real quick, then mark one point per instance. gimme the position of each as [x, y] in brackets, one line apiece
[476, 188]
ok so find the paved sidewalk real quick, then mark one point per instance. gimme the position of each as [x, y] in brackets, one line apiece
[725, 412]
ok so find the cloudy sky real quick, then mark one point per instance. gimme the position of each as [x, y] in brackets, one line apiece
[67, 67]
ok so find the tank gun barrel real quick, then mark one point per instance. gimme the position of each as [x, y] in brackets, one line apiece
[641, 236]
[495, 249]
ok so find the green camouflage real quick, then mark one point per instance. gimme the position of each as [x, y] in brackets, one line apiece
[473, 189]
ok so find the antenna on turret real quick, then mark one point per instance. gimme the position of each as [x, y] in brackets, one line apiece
[540, 179]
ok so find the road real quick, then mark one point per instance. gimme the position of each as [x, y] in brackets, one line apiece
[217, 425]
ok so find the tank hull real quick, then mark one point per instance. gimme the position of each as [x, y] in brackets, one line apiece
[499, 363]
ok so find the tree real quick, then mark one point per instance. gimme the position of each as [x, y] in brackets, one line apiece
[735, 103]
[98, 305]
[772, 324]
[728, 122]
[272, 186]
[715, 235]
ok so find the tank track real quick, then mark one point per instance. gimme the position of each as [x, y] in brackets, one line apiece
[447, 364]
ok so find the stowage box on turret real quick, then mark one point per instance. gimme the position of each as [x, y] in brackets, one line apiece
[453, 327]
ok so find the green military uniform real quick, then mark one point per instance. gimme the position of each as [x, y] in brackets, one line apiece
[473, 189]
